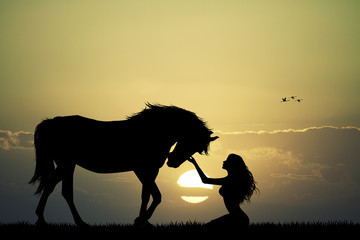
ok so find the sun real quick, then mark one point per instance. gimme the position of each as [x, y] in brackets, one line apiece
[193, 199]
[191, 179]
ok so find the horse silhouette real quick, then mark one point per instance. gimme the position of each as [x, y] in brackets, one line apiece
[141, 143]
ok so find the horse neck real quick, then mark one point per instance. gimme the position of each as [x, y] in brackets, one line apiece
[181, 133]
[173, 127]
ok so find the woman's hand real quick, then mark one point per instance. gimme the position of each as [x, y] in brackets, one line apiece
[204, 178]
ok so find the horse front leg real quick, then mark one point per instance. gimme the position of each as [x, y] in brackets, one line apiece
[156, 196]
[149, 188]
[153, 190]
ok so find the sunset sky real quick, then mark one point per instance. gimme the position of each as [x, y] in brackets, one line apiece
[230, 62]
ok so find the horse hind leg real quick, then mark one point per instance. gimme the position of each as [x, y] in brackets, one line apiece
[67, 192]
[48, 189]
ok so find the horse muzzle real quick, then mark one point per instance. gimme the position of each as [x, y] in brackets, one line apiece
[174, 162]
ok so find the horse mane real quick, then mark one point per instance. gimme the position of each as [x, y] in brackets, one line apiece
[187, 122]
[156, 112]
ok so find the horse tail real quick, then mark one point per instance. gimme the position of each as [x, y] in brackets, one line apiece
[44, 161]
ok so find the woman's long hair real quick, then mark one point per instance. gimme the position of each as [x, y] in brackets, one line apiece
[243, 176]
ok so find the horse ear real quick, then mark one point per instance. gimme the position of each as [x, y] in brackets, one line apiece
[213, 138]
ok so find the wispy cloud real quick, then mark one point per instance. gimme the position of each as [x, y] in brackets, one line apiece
[314, 162]
[15, 140]
[300, 177]
[286, 130]
[310, 168]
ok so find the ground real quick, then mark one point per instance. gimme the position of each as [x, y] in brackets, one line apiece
[190, 230]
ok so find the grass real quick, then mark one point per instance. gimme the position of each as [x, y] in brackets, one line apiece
[293, 229]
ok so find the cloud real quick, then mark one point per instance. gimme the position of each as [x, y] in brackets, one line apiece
[303, 175]
[16, 140]
[284, 130]
[320, 163]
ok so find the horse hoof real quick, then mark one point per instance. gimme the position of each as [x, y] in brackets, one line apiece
[41, 223]
[142, 223]
[82, 224]
[139, 221]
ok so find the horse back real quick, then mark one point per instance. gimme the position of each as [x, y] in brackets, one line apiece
[87, 130]
[95, 145]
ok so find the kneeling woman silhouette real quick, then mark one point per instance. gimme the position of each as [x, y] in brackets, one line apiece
[238, 186]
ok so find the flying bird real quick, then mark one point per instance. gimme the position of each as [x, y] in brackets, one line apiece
[292, 98]
[284, 99]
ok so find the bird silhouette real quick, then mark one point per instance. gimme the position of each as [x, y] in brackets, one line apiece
[292, 98]
[284, 99]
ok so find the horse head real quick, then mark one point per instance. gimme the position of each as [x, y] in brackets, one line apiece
[189, 145]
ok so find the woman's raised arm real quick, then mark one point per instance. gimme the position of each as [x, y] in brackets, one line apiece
[204, 178]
